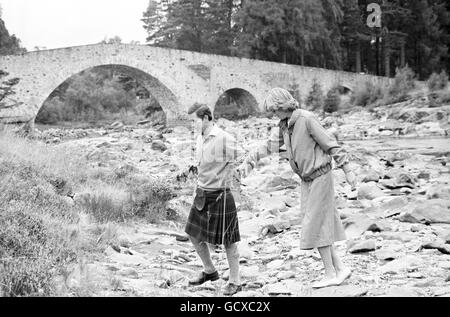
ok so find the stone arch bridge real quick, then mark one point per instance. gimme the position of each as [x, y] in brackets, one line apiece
[176, 78]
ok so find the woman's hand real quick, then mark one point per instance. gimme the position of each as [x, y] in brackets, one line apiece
[244, 169]
[349, 176]
[351, 179]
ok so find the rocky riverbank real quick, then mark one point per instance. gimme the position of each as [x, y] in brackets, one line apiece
[398, 222]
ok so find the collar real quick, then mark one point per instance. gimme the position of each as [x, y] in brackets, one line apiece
[214, 132]
[295, 115]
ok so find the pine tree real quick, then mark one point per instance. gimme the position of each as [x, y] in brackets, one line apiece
[353, 32]
[9, 44]
[330, 55]
[282, 31]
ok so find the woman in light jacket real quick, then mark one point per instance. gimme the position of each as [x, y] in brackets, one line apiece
[310, 149]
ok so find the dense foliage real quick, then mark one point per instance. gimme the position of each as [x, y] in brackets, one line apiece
[327, 33]
[97, 94]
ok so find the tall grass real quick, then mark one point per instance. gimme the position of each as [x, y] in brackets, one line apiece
[41, 227]
[38, 231]
[51, 161]
[136, 197]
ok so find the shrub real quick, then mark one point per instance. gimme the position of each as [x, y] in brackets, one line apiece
[315, 97]
[443, 97]
[34, 245]
[404, 82]
[367, 93]
[135, 197]
[332, 101]
[158, 118]
[105, 208]
[438, 81]
[149, 199]
[51, 113]
[40, 232]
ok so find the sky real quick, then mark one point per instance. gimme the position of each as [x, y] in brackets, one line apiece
[61, 23]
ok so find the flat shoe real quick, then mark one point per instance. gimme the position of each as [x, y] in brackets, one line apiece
[231, 289]
[345, 274]
[325, 283]
[203, 278]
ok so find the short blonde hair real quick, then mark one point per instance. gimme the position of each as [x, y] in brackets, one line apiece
[280, 99]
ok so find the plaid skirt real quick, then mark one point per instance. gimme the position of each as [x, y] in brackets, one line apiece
[207, 225]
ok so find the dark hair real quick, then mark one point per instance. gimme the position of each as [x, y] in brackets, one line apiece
[201, 110]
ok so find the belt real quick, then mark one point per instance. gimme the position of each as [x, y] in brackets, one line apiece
[318, 172]
[200, 197]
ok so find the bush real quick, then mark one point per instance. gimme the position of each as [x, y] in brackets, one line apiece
[52, 112]
[443, 97]
[404, 82]
[332, 101]
[149, 199]
[34, 220]
[438, 81]
[315, 98]
[104, 207]
[367, 93]
[40, 232]
[135, 197]
[158, 117]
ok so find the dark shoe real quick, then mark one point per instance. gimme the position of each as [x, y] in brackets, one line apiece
[203, 278]
[232, 289]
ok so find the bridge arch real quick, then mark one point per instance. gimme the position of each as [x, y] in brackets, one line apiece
[186, 77]
[166, 98]
[235, 103]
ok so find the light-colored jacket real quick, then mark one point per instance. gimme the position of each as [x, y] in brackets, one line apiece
[217, 155]
[310, 148]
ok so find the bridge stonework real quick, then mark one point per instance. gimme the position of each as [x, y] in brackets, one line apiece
[176, 78]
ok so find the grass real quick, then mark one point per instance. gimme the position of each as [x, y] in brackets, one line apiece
[44, 231]
[128, 198]
[38, 235]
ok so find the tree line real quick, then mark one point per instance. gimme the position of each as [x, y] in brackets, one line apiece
[332, 34]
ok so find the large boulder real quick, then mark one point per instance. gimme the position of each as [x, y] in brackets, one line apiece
[428, 212]
[438, 244]
[159, 145]
[401, 265]
[398, 178]
[276, 183]
[356, 225]
[439, 191]
[371, 176]
[369, 191]
[363, 246]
